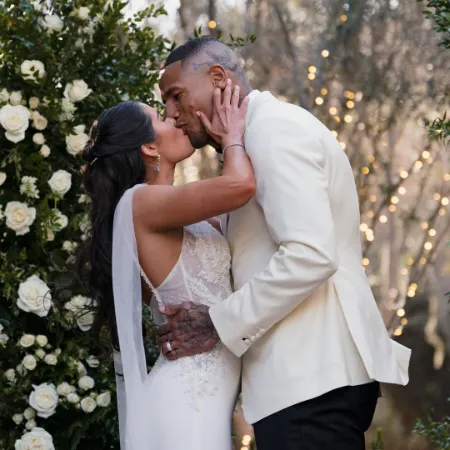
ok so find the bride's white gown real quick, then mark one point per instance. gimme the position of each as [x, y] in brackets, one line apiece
[189, 402]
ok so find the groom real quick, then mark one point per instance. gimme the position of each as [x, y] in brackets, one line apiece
[302, 316]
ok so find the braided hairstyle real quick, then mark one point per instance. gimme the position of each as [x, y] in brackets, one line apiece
[114, 163]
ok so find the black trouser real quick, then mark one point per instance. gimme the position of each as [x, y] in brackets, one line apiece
[336, 420]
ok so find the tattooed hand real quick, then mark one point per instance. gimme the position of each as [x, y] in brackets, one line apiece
[189, 329]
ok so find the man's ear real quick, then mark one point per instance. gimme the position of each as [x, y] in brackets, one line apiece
[219, 76]
[149, 150]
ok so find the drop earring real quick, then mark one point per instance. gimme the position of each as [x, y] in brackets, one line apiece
[158, 165]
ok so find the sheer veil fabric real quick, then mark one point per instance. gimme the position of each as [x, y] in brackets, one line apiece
[126, 273]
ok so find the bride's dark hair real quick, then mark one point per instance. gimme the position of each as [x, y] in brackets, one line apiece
[114, 163]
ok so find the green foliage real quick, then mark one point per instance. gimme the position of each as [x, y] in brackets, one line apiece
[378, 443]
[440, 15]
[116, 58]
[437, 432]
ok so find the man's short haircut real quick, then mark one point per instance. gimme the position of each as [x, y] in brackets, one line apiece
[190, 48]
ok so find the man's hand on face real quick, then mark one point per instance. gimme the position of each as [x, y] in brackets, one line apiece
[188, 331]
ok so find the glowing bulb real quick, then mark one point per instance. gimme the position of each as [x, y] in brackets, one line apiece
[333, 111]
[404, 321]
[428, 246]
[447, 177]
[350, 104]
[442, 212]
[400, 312]
[444, 201]
[418, 164]
[311, 76]
[334, 133]
[425, 154]
[437, 196]
[410, 261]
[394, 200]
[423, 260]
[348, 118]
[343, 18]
[383, 219]
[349, 94]
[411, 293]
[372, 198]
[402, 190]
[365, 261]
[212, 24]
[363, 227]
[371, 159]
[432, 232]
[424, 225]
[319, 100]
[370, 214]
[342, 145]
[404, 271]
[312, 69]
[403, 174]
[337, 119]
[398, 331]
[365, 170]
[325, 53]
[324, 91]
[246, 439]
[392, 208]
[361, 126]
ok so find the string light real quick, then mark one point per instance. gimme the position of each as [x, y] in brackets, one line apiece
[371, 159]
[398, 331]
[333, 111]
[370, 214]
[373, 198]
[311, 76]
[325, 53]
[383, 219]
[319, 100]
[343, 145]
[402, 190]
[444, 201]
[350, 104]
[348, 118]
[334, 133]
[437, 196]
[410, 261]
[349, 94]
[324, 91]
[404, 271]
[423, 260]
[394, 200]
[447, 177]
[363, 227]
[418, 164]
[428, 246]
[343, 18]
[403, 174]
[442, 212]
[432, 232]
[400, 312]
[366, 261]
[425, 154]
[312, 69]
[404, 321]
[365, 170]
[392, 208]
[212, 24]
[337, 119]
[424, 225]
[246, 439]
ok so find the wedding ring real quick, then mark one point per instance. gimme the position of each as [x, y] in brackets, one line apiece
[169, 347]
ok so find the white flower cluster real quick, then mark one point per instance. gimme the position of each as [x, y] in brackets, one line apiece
[32, 70]
[76, 142]
[80, 308]
[35, 439]
[69, 246]
[28, 187]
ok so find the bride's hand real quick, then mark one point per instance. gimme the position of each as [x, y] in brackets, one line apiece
[227, 125]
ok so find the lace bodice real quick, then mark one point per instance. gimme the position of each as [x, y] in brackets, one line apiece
[202, 272]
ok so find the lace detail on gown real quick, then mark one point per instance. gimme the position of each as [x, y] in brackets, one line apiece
[201, 275]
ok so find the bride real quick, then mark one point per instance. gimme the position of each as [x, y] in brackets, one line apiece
[154, 243]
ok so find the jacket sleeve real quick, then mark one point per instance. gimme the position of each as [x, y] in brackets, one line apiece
[292, 190]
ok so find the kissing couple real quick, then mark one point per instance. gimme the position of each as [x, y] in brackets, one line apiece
[254, 277]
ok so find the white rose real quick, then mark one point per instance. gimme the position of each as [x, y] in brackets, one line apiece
[82, 198]
[40, 353]
[29, 362]
[64, 389]
[73, 398]
[45, 151]
[30, 424]
[31, 69]
[76, 142]
[104, 399]
[39, 122]
[76, 303]
[34, 296]
[41, 340]
[60, 220]
[10, 374]
[44, 399]
[37, 5]
[27, 340]
[79, 129]
[57, 351]
[17, 418]
[15, 98]
[52, 23]
[83, 12]
[29, 414]
[60, 182]
[92, 361]
[3, 339]
[19, 217]
[76, 91]
[86, 383]
[15, 120]
[33, 102]
[2, 177]
[36, 439]
[88, 404]
[4, 95]
[39, 139]
[85, 320]
[51, 359]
